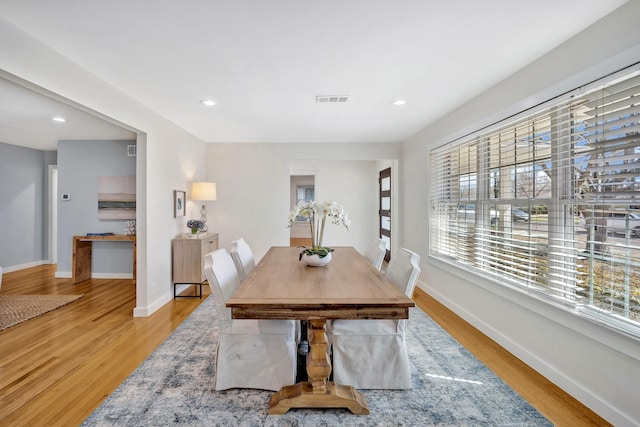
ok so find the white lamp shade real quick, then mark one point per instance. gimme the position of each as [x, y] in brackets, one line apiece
[204, 191]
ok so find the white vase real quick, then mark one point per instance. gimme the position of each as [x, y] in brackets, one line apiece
[315, 260]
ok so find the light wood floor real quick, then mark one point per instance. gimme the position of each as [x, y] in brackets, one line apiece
[299, 241]
[56, 369]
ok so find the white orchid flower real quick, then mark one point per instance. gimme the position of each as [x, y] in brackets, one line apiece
[318, 212]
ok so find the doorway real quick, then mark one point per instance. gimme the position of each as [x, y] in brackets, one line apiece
[302, 188]
[53, 215]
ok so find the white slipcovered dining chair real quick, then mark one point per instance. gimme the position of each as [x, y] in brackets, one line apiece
[242, 258]
[372, 354]
[375, 252]
[251, 353]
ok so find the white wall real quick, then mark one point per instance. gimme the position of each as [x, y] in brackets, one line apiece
[253, 182]
[354, 185]
[168, 157]
[596, 365]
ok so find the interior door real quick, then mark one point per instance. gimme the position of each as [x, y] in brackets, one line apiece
[384, 181]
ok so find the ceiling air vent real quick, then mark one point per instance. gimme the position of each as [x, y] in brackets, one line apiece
[331, 99]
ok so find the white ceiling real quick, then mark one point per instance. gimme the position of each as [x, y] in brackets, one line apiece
[26, 119]
[264, 62]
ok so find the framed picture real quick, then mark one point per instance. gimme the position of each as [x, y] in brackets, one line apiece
[179, 208]
[116, 197]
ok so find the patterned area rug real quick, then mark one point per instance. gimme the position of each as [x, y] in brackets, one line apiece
[16, 309]
[450, 388]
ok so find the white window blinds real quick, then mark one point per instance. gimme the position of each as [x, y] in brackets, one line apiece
[550, 202]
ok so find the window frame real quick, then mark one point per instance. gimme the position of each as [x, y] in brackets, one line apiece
[561, 202]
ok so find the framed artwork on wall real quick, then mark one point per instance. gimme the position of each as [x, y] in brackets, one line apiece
[116, 197]
[179, 208]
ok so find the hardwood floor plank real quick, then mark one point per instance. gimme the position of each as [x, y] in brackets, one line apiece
[56, 369]
[299, 241]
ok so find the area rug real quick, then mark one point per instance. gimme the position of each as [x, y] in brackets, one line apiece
[174, 387]
[15, 309]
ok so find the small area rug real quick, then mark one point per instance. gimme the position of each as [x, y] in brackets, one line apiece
[174, 386]
[16, 309]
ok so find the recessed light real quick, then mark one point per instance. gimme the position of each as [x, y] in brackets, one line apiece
[59, 119]
[399, 102]
[208, 102]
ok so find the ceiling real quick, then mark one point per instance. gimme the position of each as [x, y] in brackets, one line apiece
[26, 119]
[265, 62]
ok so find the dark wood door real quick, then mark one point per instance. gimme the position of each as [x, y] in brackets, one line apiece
[384, 212]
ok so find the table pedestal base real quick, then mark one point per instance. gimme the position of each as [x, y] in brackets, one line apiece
[301, 395]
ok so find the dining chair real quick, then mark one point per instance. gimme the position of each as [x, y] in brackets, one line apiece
[375, 252]
[242, 257]
[251, 353]
[372, 354]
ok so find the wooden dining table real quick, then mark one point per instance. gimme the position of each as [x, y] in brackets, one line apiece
[349, 287]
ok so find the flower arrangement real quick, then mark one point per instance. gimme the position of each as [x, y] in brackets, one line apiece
[195, 225]
[317, 214]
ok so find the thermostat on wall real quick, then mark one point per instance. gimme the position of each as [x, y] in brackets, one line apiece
[65, 196]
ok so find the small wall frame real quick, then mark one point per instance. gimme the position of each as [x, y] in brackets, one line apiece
[179, 202]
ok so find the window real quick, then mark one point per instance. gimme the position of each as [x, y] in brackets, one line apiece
[550, 201]
[305, 193]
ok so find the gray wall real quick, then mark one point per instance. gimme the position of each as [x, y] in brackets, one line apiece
[23, 206]
[80, 163]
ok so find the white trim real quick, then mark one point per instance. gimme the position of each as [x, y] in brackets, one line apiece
[615, 339]
[112, 275]
[69, 275]
[584, 395]
[560, 316]
[18, 267]
[585, 78]
[52, 217]
[149, 310]
[628, 76]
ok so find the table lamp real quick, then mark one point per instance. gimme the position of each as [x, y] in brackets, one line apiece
[204, 192]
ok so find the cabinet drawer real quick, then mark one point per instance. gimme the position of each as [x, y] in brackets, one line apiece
[209, 244]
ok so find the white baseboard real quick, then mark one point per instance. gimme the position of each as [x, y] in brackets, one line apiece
[150, 309]
[112, 276]
[68, 275]
[18, 267]
[559, 378]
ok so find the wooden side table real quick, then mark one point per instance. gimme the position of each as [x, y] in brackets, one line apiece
[188, 260]
[81, 255]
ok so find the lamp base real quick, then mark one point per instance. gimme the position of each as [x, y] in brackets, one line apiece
[203, 218]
